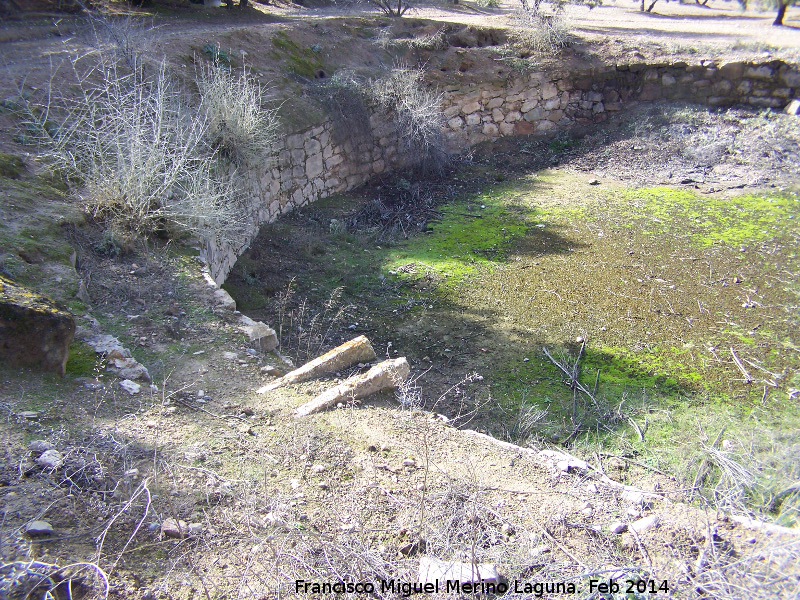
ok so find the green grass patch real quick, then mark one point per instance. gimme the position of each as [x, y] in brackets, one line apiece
[82, 360]
[469, 235]
[706, 221]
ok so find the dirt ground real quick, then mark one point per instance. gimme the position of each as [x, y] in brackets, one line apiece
[360, 492]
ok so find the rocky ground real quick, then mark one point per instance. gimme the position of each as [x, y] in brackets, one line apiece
[189, 484]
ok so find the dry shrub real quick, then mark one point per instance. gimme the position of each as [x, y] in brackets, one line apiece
[137, 147]
[541, 33]
[238, 123]
[418, 115]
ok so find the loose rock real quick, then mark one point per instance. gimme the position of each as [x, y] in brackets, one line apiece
[385, 375]
[50, 459]
[618, 527]
[40, 446]
[353, 352]
[174, 529]
[259, 332]
[432, 570]
[645, 524]
[129, 386]
[36, 529]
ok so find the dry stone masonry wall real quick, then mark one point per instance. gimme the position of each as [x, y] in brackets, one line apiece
[327, 159]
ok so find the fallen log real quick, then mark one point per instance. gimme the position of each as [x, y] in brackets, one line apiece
[355, 351]
[386, 375]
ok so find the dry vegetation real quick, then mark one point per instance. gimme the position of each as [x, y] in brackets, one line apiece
[360, 494]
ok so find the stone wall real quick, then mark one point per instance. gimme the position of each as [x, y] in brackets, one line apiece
[332, 158]
[543, 102]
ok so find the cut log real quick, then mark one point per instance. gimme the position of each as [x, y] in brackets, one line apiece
[353, 352]
[386, 375]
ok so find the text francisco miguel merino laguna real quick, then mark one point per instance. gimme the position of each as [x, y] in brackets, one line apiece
[406, 588]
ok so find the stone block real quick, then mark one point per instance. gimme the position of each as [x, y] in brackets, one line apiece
[549, 90]
[385, 375]
[529, 105]
[473, 119]
[494, 103]
[334, 161]
[490, 130]
[455, 123]
[732, 70]
[506, 128]
[745, 86]
[555, 116]
[523, 128]
[451, 111]
[312, 146]
[650, 91]
[314, 165]
[534, 115]
[513, 116]
[497, 115]
[668, 80]
[357, 350]
[789, 76]
[722, 87]
[552, 104]
[34, 330]
[764, 72]
[651, 75]
[470, 108]
[295, 141]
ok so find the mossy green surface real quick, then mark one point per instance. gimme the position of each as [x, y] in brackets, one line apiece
[11, 166]
[82, 361]
[708, 220]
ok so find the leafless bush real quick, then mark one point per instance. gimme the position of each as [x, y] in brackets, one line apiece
[133, 141]
[238, 123]
[345, 98]
[433, 41]
[417, 113]
[541, 33]
[393, 8]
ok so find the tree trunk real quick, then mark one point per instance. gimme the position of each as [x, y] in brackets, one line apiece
[781, 12]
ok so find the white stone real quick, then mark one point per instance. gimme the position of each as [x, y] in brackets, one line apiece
[314, 165]
[645, 524]
[38, 529]
[549, 90]
[257, 331]
[50, 459]
[385, 375]
[357, 350]
[793, 108]
[455, 123]
[490, 129]
[618, 527]
[473, 119]
[223, 300]
[130, 386]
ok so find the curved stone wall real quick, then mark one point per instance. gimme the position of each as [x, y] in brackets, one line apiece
[325, 160]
